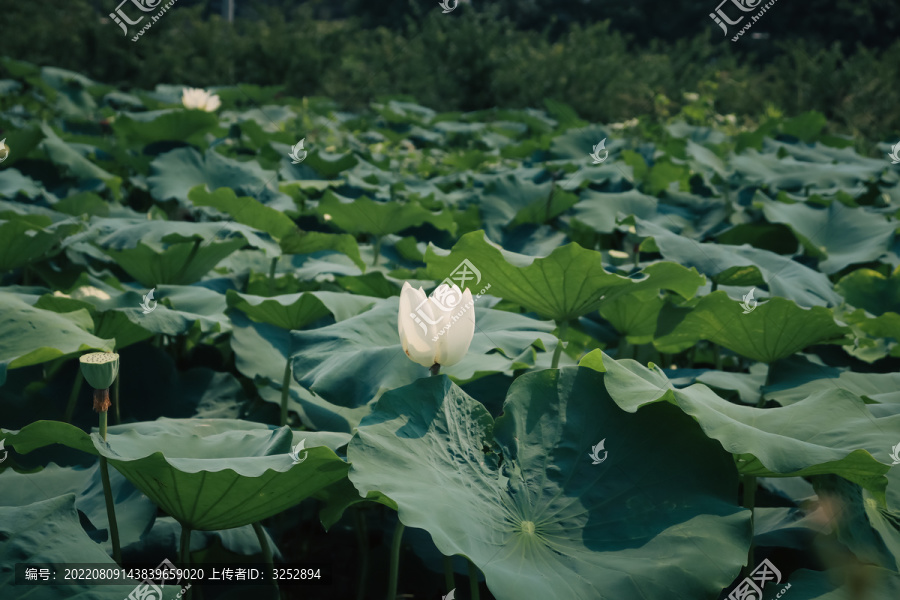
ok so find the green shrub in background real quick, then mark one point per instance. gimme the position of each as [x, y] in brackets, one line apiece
[470, 60]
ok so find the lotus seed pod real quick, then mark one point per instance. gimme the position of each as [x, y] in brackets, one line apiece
[100, 369]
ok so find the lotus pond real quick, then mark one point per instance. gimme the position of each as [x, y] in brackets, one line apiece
[668, 374]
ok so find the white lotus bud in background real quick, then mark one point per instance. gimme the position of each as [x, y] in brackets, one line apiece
[197, 98]
[431, 335]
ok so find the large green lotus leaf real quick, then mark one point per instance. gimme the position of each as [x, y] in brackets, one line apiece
[744, 266]
[634, 315]
[23, 241]
[774, 329]
[134, 510]
[363, 215]
[506, 195]
[160, 252]
[295, 311]
[790, 174]
[567, 284]
[867, 527]
[177, 172]
[520, 496]
[872, 291]
[601, 211]
[206, 473]
[292, 239]
[71, 162]
[353, 362]
[832, 431]
[328, 164]
[30, 336]
[261, 352]
[50, 532]
[839, 235]
[159, 125]
[795, 379]
[820, 585]
[177, 309]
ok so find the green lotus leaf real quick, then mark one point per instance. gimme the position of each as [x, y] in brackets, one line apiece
[329, 164]
[634, 315]
[774, 329]
[206, 473]
[787, 173]
[134, 510]
[261, 353]
[292, 239]
[744, 266]
[601, 211]
[168, 124]
[177, 172]
[295, 311]
[363, 215]
[368, 346]
[160, 252]
[521, 498]
[567, 284]
[30, 336]
[838, 235]
[820, 585]
[830, 432]
[872, 291]
[72, 163]
[50, 532]
[509, 194]
[795, 378]
[22, 241]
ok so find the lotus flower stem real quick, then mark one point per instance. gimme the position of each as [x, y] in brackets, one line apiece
[362, 538]
[473, 580]
[272, 275]
[110, 505]
[395, 561]
[267, 555]
[434, 369]
[285, 391]
[376, 250]
[184, 554]
[115, 396]
[563, 326]
[73, 396]
[187, 262]
[449, 582]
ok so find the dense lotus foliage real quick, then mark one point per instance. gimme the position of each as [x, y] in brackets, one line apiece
[719, 307]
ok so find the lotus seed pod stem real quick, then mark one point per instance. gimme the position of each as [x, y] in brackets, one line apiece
[101, 400]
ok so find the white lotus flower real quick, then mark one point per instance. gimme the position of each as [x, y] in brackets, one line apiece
[198, 98]
[436, 330]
